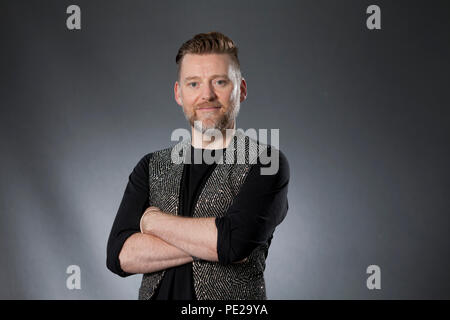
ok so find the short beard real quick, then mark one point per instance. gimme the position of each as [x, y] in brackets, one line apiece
[221, 124]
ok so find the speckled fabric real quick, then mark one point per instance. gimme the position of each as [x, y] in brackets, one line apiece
[211, 279]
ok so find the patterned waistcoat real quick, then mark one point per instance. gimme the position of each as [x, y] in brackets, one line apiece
[211, 280]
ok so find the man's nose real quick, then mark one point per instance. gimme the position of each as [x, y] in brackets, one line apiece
[208, 93]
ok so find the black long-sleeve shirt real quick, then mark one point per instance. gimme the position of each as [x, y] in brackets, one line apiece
[258, 208]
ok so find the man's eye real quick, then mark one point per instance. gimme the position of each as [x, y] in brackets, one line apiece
[192, 84]
[221, 82]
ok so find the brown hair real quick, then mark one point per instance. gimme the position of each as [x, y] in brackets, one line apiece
[211, 42]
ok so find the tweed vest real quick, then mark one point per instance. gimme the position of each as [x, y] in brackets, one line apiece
[212, 280]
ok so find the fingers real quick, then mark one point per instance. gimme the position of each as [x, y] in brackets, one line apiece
[151, 209]
[242, 261]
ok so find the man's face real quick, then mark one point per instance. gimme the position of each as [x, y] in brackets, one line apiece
[209, 89]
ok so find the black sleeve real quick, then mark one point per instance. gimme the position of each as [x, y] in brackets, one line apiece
[258, 208]
[134, 202]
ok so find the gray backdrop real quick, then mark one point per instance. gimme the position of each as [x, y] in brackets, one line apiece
[363, 118]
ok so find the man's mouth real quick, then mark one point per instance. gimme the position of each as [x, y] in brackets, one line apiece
[209, 108]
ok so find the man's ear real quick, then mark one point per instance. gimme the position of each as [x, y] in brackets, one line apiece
[243, 90]
[177, 93]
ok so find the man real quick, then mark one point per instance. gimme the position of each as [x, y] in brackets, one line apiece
[202, 230]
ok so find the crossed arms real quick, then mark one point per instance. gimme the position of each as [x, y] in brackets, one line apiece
[166, 241]
[162, 240]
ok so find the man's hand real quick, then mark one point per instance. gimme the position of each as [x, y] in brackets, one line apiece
[146, 220]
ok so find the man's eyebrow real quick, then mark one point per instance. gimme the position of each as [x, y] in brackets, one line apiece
[214, 76]
[219, 76]
[191, 78]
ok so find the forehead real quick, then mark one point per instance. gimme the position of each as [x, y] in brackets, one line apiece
[204, 64]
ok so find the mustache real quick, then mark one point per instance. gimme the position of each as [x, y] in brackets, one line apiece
[208, 105]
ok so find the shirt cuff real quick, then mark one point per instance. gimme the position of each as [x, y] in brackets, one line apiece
[113, 262]
[223, 240]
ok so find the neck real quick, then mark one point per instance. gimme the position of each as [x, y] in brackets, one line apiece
[203, 141]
